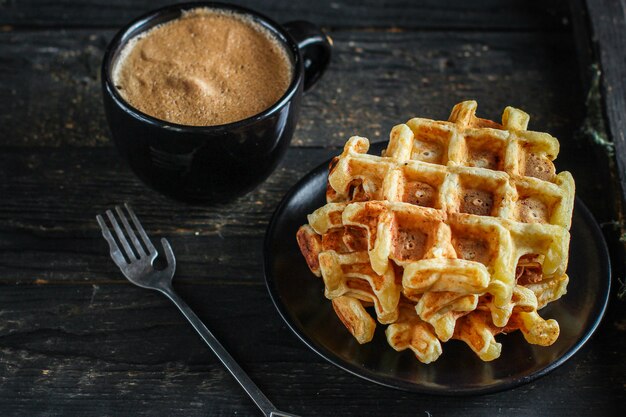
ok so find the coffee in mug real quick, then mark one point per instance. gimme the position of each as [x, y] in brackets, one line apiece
[195, 158]
[206, 68]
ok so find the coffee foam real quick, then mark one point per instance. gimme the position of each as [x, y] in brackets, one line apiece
[207, 67]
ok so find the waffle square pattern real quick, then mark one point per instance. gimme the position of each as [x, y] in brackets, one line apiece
[459, 230]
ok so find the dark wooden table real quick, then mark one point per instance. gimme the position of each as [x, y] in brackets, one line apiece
[77, 339]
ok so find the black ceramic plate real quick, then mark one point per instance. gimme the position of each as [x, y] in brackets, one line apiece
[299, 298]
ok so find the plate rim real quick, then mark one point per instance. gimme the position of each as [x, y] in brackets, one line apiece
[597, 314]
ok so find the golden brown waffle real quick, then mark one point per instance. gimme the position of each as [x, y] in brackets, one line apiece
[467, 219]
[354, 316]
[411, 332]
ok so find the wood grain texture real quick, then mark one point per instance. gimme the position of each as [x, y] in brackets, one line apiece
[118, 350]
[608, 21]
[376, 80]
[429, 14]
[70, 195]
[597, 36]
[48, 231]
[77, 340]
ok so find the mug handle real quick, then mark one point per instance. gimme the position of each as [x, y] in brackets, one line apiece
[315, 48]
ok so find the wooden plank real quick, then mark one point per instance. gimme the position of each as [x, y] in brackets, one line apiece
[45, 197]
[430, 14]
[581, 34]
[609, 155]
[48, 231]
[119, 350]
[608, 22]
[201, 259]
[376, 80]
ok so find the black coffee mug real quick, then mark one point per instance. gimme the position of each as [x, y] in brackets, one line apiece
[212, 163]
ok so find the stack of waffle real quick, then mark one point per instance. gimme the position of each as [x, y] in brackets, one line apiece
[458, 231]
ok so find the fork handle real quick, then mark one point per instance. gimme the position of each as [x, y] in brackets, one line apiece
[233, 367]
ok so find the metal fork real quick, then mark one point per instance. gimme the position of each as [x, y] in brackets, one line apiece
[139, 269]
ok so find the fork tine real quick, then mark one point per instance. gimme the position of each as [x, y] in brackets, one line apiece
[146, 240]
[120, 236]
[116, 254]
[169, 253]
[130, 232]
